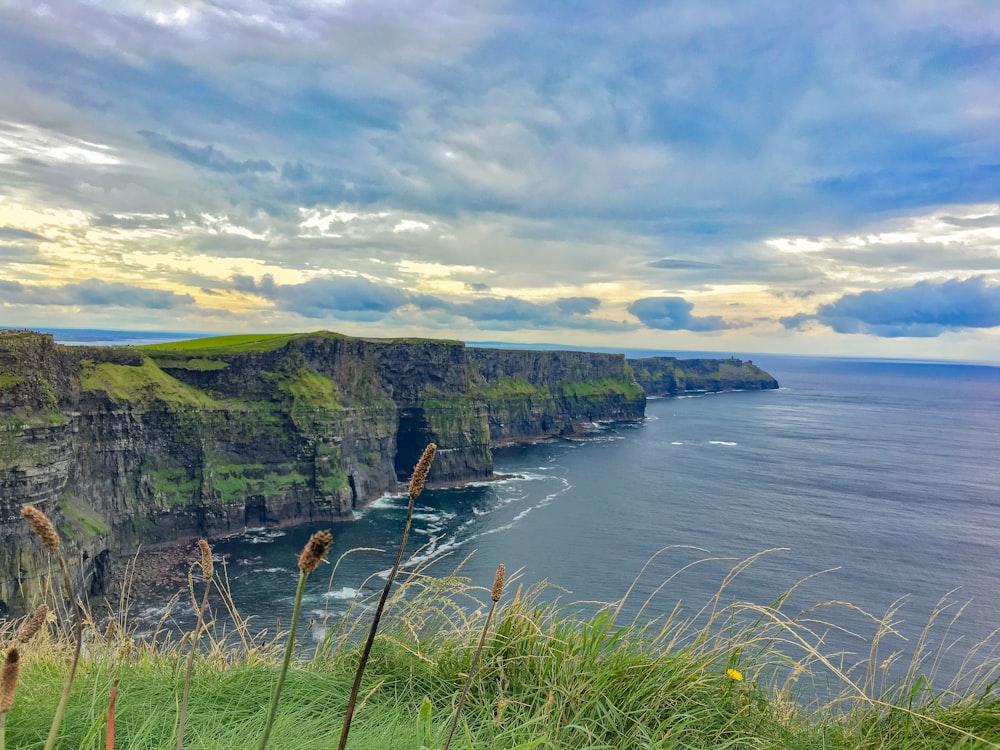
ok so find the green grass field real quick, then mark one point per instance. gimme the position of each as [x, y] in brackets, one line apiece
[547, 678]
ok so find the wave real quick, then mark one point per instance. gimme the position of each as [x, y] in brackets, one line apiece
[721, 442]
[345, 592]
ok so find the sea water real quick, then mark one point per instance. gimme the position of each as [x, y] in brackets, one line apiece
[883, 474]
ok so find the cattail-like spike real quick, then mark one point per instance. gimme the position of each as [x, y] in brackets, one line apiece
[42, 526]
[495, 597]
[416, 487]
[314, 551]
[109, 632]
[421, 470]
[8, 680]
[207, 567]
[32, 625]
[498, 583]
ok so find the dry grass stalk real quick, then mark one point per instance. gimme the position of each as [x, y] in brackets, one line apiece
[32, 625]
[8, 682]
[497, 591]
[495, 595]
[421, 470]
[207, 569]
[312, 555]
[417, 481]
[8, 686]
[42, 526]
[314, 551]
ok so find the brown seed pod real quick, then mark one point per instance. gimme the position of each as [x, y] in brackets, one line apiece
[42, 526]
[498, 583]
[421, 470]
[8, 680]
[314, 551]
[32, 625]
[207, 568]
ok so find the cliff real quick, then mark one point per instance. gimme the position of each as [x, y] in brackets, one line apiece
[669, 376]
[123, 446]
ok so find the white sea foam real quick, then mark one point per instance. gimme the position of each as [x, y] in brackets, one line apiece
[677, 442]
[721, 442]
[343, 593]
[387, 500]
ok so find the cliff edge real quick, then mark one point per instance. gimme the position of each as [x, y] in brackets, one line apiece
[123, 446]
[669, 376]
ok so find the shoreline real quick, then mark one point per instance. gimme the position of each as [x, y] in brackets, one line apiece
[166, 565]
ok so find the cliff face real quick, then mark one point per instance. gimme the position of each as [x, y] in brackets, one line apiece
[669, 376]
[128, 446]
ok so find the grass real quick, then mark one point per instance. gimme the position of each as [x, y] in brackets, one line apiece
[547, 674]
[144, 384]
[529, 673]
[233, 343]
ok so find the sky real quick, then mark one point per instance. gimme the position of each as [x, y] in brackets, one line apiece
[739, 177]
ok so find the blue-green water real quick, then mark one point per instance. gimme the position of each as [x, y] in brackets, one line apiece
[887, 472]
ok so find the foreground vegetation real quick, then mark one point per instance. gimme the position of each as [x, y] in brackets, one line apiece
[544, 679]
[444, 669]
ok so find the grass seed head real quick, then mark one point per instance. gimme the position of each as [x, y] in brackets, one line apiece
[421, 470]
[8, 680]
[207, 568]
[32, 625]
[314, 551]
[498, 583]
[42, 526]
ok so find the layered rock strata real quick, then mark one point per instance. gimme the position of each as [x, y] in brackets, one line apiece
[123, 446]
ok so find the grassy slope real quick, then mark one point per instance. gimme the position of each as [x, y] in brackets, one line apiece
[544, 675]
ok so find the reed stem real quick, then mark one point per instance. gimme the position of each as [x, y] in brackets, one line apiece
[416, 487]
[50, 743]
[190, 666]
[286, 661]
[494, 597]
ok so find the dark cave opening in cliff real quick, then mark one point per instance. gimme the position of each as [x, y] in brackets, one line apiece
[412, 437]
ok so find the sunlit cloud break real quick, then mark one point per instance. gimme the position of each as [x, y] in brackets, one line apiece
[813, 178]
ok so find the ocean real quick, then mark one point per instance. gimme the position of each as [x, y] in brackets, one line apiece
[880, 477]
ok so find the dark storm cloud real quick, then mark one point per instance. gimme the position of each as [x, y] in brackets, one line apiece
[674, 314]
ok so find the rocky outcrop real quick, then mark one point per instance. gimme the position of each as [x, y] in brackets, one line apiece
[124, 446]
[669, 376]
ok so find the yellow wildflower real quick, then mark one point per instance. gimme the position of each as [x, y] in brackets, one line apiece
[734, 674]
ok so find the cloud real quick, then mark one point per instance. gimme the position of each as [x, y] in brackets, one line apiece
[674, 314]
[511, 314]
[360, 299]
[208, 157]
[924, 310]
[93, 292]
[14, 234]
[679, 263]
[352, 297]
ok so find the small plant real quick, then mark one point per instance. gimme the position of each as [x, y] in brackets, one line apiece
[8, 686]
[310, 558]
[207, 570]
[416, 486]
[495, 595]
[46, 532]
